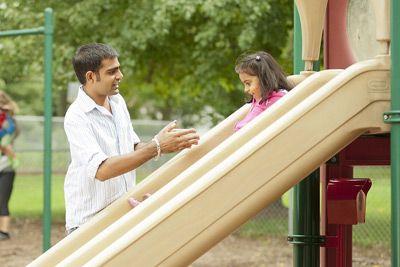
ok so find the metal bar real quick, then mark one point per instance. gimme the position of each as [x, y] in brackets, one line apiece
[395, 129]
[39, 30]
[307, 240]
[298, 66]
[392, 116]
[306, 193]
[48, 31]
[306, 216]
[48, 112]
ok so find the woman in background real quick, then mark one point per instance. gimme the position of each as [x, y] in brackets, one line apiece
[8, 162]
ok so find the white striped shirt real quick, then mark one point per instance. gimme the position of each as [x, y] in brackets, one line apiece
[94, 134]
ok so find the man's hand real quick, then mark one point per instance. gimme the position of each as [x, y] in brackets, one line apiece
[173, 139]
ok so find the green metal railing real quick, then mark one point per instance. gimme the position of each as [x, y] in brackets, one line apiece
[395, 128]
[393, 117]
[305, 193]
[47, 30]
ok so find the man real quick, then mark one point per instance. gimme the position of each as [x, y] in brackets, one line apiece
[105, 150]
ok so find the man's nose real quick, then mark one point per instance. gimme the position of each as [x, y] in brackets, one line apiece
[120, 75]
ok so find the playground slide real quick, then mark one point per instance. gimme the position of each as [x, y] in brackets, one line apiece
[175, 166]
[151, 184]
[225, 196]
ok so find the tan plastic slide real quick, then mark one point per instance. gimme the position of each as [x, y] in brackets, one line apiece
[175, 166]
[218, 192]
[165, 174]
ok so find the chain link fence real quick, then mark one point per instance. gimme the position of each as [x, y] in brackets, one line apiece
[272, 221]
[376, 231]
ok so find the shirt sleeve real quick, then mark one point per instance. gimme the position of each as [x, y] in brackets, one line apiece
[83, 145]
[272, 100]
[254, 112]
[8, 130]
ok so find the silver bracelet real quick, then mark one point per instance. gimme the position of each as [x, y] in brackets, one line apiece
[155, 139]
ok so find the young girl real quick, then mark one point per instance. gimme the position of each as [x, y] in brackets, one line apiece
[264, 81]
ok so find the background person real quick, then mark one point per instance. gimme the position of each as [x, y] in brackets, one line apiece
[7, 176]
[7, 170]
[8, 128]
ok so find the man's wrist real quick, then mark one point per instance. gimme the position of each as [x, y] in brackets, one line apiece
[155, 139]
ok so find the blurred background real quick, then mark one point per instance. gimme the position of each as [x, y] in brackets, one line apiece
[177, 56]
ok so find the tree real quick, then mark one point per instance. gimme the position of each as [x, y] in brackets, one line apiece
[177, 56]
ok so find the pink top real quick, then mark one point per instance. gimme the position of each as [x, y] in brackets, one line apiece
[257, 108]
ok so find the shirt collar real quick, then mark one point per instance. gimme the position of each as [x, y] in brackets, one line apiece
[88, 103]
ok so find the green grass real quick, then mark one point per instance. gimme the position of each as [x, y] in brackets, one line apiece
[262, 227]
[27, 196]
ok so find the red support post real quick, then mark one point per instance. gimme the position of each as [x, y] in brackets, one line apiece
[364, 151]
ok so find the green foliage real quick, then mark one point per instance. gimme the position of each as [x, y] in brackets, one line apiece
[178, 56]
[29, 95]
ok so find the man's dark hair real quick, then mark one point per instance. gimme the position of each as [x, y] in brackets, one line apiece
[89, 57]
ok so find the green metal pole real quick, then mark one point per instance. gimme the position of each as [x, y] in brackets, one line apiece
[48, 111]
[39, 30]
[306, 228]
[395, 128]
[47, 30]
[298, 64]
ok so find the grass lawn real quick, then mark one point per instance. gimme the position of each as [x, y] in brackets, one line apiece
[27, 196]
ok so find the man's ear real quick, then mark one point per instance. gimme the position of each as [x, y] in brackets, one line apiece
[90, 76]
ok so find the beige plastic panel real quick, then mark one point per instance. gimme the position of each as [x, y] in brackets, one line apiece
[249, 179]
[162, 176]
[312, 17]
[381, 10]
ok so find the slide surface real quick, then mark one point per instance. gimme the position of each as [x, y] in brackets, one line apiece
[214, 194]
[174, 167]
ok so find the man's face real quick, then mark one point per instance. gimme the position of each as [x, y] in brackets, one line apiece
[108, 78]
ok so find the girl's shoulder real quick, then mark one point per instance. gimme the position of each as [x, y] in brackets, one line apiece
[279, 93]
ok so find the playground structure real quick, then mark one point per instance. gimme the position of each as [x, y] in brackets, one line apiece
[335, 237]
[204, 194]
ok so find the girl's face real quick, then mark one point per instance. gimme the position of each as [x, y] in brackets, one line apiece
[251, 85]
